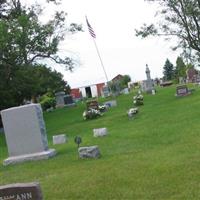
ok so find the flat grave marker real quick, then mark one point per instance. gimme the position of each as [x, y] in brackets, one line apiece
[182, 90]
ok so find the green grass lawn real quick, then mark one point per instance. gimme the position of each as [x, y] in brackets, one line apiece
[154, 156]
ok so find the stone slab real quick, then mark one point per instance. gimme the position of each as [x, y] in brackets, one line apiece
[21, 191]
[100, 132]
[59, 139]
[30, 157]
[89, 152]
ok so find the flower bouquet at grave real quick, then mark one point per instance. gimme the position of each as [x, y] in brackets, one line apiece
[91, 114]
[138, 100]
[132, 112]
[103, 108]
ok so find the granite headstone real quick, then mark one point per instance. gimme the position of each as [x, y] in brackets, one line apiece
[21, 191]
[25, 134]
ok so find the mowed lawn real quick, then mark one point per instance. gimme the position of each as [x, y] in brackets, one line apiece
[154, 156]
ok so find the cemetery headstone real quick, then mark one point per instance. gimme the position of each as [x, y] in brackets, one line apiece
[68, 100]
[25, 134]
[99, 132]
[182, 90]
[21, 191]
[105, 91]
[59, 139]
[89, 152]
[60, 99]
[125, 91]
[92, 104]
[147, 85]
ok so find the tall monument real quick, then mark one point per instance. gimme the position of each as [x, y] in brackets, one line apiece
[148, 73]
[147, 85]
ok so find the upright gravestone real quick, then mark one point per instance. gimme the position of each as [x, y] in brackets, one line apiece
[182, 90]
[147, 85]
[25, 134]
[60, 102]
[21, 191]
[68, 100]
[105, 91]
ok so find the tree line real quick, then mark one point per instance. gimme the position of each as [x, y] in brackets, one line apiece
[173, 72]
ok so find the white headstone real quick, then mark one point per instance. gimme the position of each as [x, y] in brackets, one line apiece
[153, 92]
[25, 134]
[100, 132]
[60, 99]
[125, 91]
[59, 139]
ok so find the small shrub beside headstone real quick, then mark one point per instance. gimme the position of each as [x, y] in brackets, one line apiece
[47, 102]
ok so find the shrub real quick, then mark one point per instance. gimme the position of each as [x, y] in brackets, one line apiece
[47, 102]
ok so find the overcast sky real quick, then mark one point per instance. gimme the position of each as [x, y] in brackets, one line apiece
[114, 22]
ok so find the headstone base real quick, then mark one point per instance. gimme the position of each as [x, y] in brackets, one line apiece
[29, 157]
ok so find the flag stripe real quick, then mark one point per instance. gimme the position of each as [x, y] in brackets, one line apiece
[91, 31]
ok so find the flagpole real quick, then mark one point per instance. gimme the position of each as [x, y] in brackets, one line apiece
[92, 33]
[101, 60]
[110, 91]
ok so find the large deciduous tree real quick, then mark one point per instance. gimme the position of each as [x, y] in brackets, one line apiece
[180, 18]
[24, 41]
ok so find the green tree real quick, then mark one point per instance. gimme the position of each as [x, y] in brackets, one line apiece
[124, 81]
[168, 70]
[180, 69]
[24, 42]
[179, 18]
[117, 85]
[29, 83]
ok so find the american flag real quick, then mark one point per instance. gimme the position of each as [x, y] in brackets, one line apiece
[91, 31]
